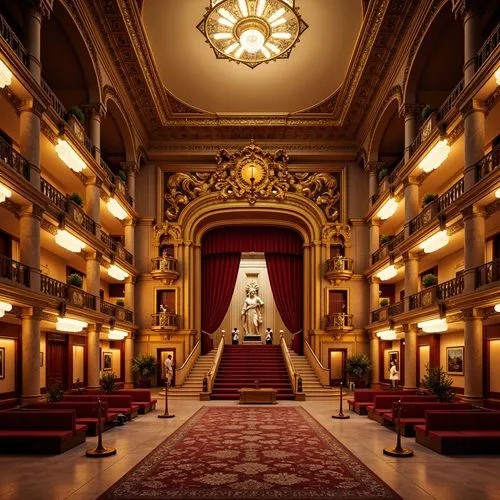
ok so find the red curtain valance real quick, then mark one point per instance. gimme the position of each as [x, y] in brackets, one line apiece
[252, 239]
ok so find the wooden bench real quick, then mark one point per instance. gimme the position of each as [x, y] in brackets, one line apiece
[259, 396]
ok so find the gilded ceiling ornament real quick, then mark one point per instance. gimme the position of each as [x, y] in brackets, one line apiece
[252, 174]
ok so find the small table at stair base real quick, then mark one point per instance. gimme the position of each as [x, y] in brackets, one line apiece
[254, 395]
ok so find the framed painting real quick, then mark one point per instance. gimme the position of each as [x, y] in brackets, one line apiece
[41, 360]
[107, 361]
[393, 356]
[455, 360]
[2, 362]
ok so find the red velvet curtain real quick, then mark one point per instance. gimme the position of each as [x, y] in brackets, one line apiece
[285, 276]
[219, 273]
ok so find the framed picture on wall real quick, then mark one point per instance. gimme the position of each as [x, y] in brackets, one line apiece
[2, 362]
[455, 360]
[107, 361]
[41, 360]
[393, 356]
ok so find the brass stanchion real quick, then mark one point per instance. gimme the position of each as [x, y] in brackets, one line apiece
[341, 413]
[100, 451]
[166, 414]
[398, 451]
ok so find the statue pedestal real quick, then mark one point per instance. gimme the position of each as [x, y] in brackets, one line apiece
[252, 339]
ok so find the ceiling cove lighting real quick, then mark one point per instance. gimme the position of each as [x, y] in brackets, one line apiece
[5, 75]
[68, 241]
[434, 325]
[252, 31]
[435, 242]
[117, 272]
[69, 156]
[117, 334]
[5, 192]
[435, 156]
[497, 76]
[388, 209]
[116, 209]
[70, 325]
[497, 193]
[387, 273]
[4, 307]
[497, 308]
[387, 335]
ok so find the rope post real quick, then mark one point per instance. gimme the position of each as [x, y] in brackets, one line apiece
[100, 451]
[398, 451]
[341, 413]
[166, 414]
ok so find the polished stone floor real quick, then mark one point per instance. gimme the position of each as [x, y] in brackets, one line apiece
[72, 476]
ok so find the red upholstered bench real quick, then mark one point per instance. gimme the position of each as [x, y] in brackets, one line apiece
[458, 432]
[140, 397]
[364, 398]
[383, 404]
[32, 431]
[116, 403]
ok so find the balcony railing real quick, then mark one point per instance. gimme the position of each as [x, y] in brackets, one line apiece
[339, 264]
[339, 321]
[164, 264]
[395, 170]
[426, 216]
[430, 295]
[14, 271]
[116, 311]
[488, 273]
[164, 321]
[10, 37]
[396, 308]
[53, 194]
[54, 101]
[109, 172]
[450, 101]
[451, 196]
[117, 248]
[425, 131]
[15, 160]
[380, 314]
[73, 295]
[488, 164]
[488, 47]
[451, 288]
[388, 247]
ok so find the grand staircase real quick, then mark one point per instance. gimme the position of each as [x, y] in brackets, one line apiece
[242, 365]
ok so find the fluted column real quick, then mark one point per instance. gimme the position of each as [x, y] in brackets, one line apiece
[412, 203]
[409, 113]
[129, 355]
[474, 135]
[473, 355]
[375, 359]
[130, 236]
[30, 112]
[93, 345]
[474, 244]
[411, 357]
[29, 236]
[373, 236]
[31, 319]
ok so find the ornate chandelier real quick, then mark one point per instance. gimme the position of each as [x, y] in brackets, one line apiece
[252, 31]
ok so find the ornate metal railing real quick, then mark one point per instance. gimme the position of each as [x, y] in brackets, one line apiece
[428, 214]
[381, 253]
[109, 172]
[73, 295]
[116, 311]
[430, 295]
[451, 288]
[450, 101]
[164, 264]
[488, 47]
[487, 273]
[108, 308]
[14, 271]
[167, 320]
[380, 314]
[54, 195]
[338, 321]
[10, 37]
[396, 308]
[54, 101]
[108, 241]
[399, 238]
[451, 196]
[52, 287]
[123, 253]
[339, 264]
[487, 164]
[15, 160]
[395, 170]
[424, 132]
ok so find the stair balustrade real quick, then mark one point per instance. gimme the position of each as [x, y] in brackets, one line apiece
[321, 372]
[215, 367]
[293, 375]
[183, 371]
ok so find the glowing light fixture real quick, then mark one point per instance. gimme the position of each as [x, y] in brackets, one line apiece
[117, 272]
[497, 193]
[387, 273]
[497, 76]
[388, 209]
[5, 192]
[4, 307]
[387, 335]
[435, 242]
[5, 75]
[242, 30]
[117, 334]
[434, 325]
[68, 241]
[70, 325]
[116, 209]
[497, 308]
[69, 156]
[435, 156]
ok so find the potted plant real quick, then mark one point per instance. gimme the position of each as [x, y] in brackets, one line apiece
[427, 111]
[384, 302]
[382, 174]
[122, 175]
[108, 382]
[429, 198]
[78, 113]
[438, 383]
[75, 279]
[145, 367]
[120, 302]
[429, 280]
[55, 392]
[76, 198]
[358, 367]
[385, 238]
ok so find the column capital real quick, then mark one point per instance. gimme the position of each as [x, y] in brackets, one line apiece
[32, 210]
[471, 313]
[411, 181]
[35, 313]
[93, 181]
[130, 280]
[374, 166]
[93, 255]
[374, 337]
[409, 109]
[407, 256]
[461, 7]
[373, 280]
[95, 327]
[374, 222]
[131, 167]
[44, 7]
[130, 222]
[95, 109]
[32, 106]
[473, 211]
[473, 105]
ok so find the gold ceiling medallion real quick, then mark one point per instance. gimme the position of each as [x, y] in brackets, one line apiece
[252, 31]
[252, 174]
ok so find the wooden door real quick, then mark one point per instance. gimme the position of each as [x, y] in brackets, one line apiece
[336, 364]
[161, 356]
[337, 301]
[57, 361]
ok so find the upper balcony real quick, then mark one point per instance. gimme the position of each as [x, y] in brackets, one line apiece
[14, 271]
[14, 159]
[165, 269]
[429, 296]
[339, 323]
[165, 321]
[339, 269]
[71, 295]
[117, 312]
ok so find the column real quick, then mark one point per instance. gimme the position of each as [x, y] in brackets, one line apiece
[375, 358]
[474, 244]
[130, 293]
[29, 236]
[129, 356]
[92, 204]
[130, 235]
[33, 28]
[373, 236]
[95, 112]
[31, 319]
[412, 203]
[411, 277]
[411, 357]
[372, 168]
[473, 355]
[29, 124]
[130, 167]
[374, 284]
[409, 112]
[472, 34]
[93, 352]
[93, 275]
[474, 136]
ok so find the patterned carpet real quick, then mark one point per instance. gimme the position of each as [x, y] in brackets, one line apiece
[250, 453]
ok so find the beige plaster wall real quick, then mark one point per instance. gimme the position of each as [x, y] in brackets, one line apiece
[54, 266]
[451, 340]
[43, 350]
[449, 266]
[494, 365]
[8, 383]
[78, 363]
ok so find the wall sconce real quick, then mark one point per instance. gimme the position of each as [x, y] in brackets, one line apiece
[434, 325]
[68, 241]
[4, 307]
[5, 75]
[70, 325]
[387, 273]
[388, 209]
[116, 209]
[435, 156]
[387, 335]
[117, 334]
[69, 156]
[117, 272]
[5, 192]
[435, 242]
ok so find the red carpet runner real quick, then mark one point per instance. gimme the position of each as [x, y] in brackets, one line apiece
[250, 453]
